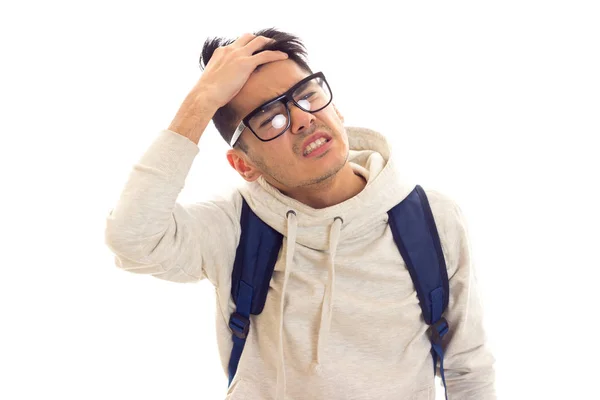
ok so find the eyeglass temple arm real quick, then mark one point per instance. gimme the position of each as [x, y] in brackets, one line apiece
[237, 133]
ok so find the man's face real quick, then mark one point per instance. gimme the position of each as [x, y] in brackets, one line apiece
[281, 161]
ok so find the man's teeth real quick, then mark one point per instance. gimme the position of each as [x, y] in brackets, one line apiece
[314, 145]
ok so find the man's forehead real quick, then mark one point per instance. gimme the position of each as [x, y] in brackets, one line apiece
[261, 88]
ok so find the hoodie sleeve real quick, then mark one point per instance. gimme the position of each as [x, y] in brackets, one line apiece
[151, 233]
[468, 362]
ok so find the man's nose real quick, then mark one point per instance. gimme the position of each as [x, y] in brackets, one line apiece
[301, 120]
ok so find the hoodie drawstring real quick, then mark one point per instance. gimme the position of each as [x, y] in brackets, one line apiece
[327, 306]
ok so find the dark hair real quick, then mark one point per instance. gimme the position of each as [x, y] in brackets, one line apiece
[225, 119]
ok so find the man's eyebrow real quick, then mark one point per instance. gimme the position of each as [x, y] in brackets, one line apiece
[279, 94]
[271, 98]
[265, 102]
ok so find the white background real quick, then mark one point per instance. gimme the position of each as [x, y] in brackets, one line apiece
[496, 104]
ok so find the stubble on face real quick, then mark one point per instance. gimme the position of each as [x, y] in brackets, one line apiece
[275, 170]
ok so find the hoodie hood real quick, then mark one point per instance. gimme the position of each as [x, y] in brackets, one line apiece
[371, 157]
[323, 229]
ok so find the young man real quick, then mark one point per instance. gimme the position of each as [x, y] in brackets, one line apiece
[342, 318]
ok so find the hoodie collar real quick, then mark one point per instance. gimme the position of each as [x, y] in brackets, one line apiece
[371, 156]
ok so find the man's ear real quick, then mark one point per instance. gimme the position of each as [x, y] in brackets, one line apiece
[339, 114]
[241, 165]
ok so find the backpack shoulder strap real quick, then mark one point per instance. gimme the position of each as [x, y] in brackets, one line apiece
[255, 260]
[414, 231]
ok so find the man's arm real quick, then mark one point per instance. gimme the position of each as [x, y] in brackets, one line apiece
[151, 233]
[468, 363]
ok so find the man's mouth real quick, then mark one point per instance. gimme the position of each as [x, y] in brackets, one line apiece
[314, 146]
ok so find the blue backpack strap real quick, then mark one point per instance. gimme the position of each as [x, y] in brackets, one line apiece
[254, 264]
[416, 235]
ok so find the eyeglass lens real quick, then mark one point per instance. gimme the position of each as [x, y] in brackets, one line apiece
[271, 120]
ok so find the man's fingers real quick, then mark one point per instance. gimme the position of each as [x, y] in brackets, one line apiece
[268, 56]
[242, 41]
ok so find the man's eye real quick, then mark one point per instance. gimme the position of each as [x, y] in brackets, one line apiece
[266, 122]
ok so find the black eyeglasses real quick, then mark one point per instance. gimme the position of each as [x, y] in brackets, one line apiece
[272, 118]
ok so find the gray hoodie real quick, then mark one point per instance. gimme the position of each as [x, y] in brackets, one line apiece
[342, 319]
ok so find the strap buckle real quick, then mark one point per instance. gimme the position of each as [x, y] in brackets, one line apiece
[438, 330]
[239, 324]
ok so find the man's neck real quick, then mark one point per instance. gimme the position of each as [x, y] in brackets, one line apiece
[337, 189]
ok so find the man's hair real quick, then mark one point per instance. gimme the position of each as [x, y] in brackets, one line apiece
[225, 119]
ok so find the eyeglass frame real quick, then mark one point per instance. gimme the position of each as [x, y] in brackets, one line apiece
[287, 96]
